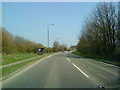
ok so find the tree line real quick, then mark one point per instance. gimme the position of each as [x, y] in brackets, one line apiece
[57, 47]
[10, 44]
[100, 34]
[16, 44]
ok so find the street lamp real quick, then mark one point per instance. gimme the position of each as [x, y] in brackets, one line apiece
[48, 34]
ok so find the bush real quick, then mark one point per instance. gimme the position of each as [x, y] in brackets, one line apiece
[11, 44]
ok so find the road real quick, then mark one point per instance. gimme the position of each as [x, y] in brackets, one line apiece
[64, 70]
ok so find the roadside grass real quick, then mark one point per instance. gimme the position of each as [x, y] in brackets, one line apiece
[0, 65]
[98, 58]
[10, 69]
[0, 73]
[7, 59]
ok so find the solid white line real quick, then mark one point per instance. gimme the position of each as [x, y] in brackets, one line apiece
[108, 64]
[68, 59]
[105, 63]
[80, 70]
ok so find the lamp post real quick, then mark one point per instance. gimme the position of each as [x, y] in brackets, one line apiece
[48, 34]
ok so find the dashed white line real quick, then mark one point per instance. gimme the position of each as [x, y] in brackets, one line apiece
[80, 70]
[68, 59]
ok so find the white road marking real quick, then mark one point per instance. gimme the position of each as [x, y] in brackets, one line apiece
[68, 59]
[105, 63]
[80, 70]
[109, 64]
[102, 68]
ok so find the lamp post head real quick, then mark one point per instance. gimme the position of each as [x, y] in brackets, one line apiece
[52, 24]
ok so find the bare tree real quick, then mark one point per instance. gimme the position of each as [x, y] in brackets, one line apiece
[56, 46]
[101, 31]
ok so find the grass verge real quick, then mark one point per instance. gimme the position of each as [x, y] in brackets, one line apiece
[98, 58]
[7, 59]
[10, 69]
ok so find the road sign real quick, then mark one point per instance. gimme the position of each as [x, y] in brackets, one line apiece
[39, 50]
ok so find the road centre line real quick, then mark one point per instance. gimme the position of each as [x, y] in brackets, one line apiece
[80, 70]
[68, 59]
